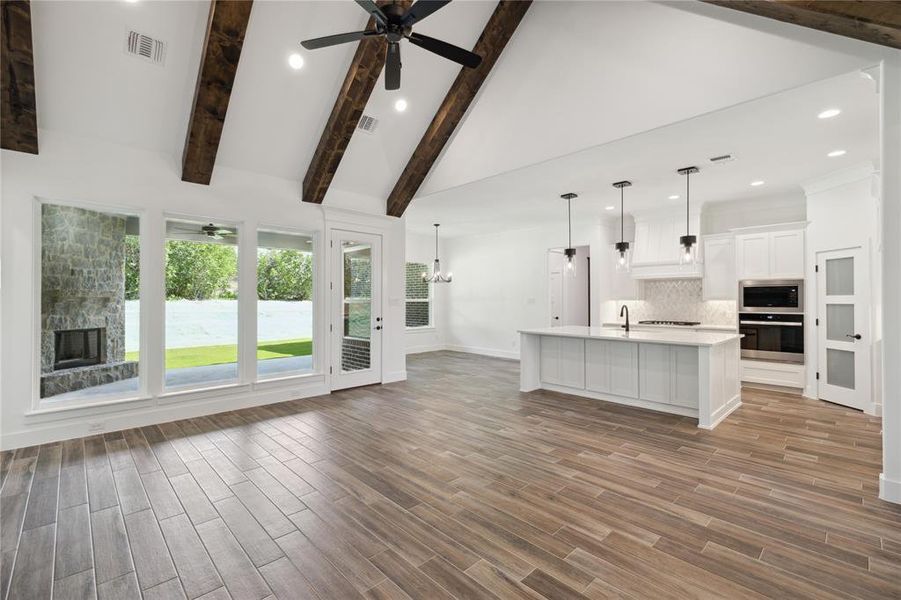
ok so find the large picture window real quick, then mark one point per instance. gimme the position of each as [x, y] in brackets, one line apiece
[90, 304]
[285, 289]
[418, 305]
[201, 303]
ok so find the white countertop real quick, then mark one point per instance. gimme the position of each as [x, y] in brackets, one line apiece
[657, 336]
[702, 326]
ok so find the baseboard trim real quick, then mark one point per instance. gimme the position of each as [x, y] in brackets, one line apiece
[424, 349]
[483, 351]
[774, 388]
[671, 409]
[731, 406]
[82, 426]
[889, 489]
[393, 376]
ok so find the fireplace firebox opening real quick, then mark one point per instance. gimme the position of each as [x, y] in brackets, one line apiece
[79, 348]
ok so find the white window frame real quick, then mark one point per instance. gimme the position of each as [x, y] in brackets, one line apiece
[430, 299]
[241, 379]
[40, 405]
[318, 316]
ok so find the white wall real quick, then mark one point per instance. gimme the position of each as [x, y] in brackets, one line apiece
[501, 285]
[421, 248]
[890, 217]
[843, 212]
[786, 207]
[73, 169]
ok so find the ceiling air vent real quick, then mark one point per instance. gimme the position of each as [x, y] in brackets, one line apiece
[721, 159]
[145, 47]
[367, 124]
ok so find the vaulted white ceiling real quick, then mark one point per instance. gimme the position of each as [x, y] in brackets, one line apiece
[778, 140]
[574, 75]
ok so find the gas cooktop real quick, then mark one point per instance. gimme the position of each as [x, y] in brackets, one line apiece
[678, 323]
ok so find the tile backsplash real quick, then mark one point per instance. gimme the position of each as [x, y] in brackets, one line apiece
[679, 300]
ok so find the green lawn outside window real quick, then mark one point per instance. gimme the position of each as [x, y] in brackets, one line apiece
[201, 356]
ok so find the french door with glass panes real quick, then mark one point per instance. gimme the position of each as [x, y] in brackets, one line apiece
[356, 319]
[843, 330]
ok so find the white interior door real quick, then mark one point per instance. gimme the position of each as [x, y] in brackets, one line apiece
[356, 319]
[843, 308]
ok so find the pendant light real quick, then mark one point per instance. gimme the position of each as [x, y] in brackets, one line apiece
[569, 252]
[687, 243]
[437, 276]
[623, 253]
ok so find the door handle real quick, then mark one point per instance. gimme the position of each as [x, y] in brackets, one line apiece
[556, 318]
[856, 336]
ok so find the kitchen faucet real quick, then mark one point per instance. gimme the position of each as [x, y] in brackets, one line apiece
[626, 309]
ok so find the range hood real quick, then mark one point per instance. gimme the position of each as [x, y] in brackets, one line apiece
[656, 252]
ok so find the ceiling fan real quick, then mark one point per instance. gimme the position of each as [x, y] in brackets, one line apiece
[394, 24]
[210, 231]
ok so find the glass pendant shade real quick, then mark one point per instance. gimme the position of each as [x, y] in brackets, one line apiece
[623, 255]
[688, 250]
[569, 267]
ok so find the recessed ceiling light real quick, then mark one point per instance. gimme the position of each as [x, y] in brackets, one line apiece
[400, 105]
[295, 61]
[758, 182]
[674, 197]
[829, 113]
[835, 153]
[609, 207]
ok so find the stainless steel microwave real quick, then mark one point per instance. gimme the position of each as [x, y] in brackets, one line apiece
[771, 296]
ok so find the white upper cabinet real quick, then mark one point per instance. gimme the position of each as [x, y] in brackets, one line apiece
[787, 254]
[770, 254]
[720, 281]
[752, 256]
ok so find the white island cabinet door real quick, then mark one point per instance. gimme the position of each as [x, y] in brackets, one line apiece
[611, 368]
[550, 360]
[684, 369]
[563, 361]
[654, 374]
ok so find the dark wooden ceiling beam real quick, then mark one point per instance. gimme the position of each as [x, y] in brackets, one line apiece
[491, 43]
[875, 21]
[226, 27]
[362, 76]
[18, 105]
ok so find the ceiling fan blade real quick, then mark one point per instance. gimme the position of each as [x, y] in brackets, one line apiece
[392, 67]
[334, 40]
[448, 51]
[422, 9]
[373, 9]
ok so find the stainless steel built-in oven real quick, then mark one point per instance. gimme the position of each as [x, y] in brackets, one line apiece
[771, 296]
[772, 336]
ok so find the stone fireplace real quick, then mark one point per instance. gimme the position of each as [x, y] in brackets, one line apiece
[82, 299]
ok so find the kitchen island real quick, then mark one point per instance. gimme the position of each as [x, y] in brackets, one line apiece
[691, 373]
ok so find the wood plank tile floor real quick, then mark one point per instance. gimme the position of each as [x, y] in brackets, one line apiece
[455, 485]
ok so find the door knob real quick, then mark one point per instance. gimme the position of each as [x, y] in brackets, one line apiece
[556, 318]
[856, 336]
[378, 327]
